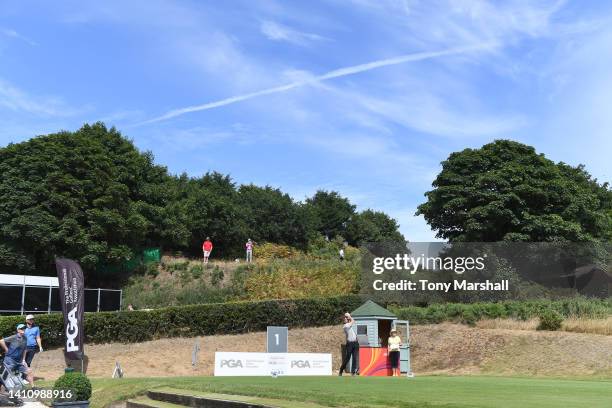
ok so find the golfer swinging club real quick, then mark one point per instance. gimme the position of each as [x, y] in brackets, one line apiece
[352, 346]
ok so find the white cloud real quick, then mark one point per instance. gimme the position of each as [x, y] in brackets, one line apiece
[221, 60]
[576, 125]
[279, 32]
[452, 22]
[424, 111]
[17, 100]
[337, 73]
[14, 34]
[196, 138]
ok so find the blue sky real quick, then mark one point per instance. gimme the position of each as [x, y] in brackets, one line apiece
[365, 97]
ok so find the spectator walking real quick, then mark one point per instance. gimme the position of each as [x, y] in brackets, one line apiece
[33, 340]
[207, 248]
[352, 346]
[14, 348]
[249, 250]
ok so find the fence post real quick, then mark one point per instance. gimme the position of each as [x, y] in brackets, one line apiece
[49, 309]
[98, 299]
[120, 299]
[23, 296]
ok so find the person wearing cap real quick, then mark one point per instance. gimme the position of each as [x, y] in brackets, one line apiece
[393, 345]
[33, 340]
[14, 348]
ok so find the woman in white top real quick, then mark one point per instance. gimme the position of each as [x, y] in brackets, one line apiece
[393, 346]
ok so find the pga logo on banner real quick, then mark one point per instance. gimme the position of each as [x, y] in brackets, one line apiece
[71, 291]
[309, 364]
[72, 331]
[264, 364]
[238, 364]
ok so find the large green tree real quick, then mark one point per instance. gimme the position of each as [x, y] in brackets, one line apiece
[92, 196]
[211, 209]
[507, 191]
[332, 212]
[371, 226]
[271, 215]
[89, 195]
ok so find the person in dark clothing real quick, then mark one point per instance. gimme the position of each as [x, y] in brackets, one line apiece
[14, 348]
[352, 346]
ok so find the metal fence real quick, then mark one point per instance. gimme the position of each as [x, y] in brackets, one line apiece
[25, 299]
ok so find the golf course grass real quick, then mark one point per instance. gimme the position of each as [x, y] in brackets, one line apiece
[431, 391]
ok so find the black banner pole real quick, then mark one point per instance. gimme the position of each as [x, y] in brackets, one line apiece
[71, 290]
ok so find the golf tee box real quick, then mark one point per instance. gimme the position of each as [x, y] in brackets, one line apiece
[274, 364]
[373, 325]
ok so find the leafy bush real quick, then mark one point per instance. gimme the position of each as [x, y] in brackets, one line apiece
[185, 276]
[196, 270]
[268, 251]
[470, 313]
[195, 320]
[298, 278]
[152, 269]
[175, 264]
[217, 276]
[241, 317]
[76, 382]
[185, 290]
[321, 248]
[550, 320]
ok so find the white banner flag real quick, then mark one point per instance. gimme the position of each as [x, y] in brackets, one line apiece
[264, 364]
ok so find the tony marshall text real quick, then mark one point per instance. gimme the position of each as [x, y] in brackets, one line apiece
[423, 284]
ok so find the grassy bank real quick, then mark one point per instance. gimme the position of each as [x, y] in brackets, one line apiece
[571, 324]
[436, 391]
[279, 272]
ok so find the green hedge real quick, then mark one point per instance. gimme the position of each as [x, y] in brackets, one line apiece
[470, 313]
[243, 317]
[194, 320]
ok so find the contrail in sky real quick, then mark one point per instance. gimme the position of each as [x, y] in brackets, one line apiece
[337, 73]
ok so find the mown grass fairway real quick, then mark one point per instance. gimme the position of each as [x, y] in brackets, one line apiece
[433, 391]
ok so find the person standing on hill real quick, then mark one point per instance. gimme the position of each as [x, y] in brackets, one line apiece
[249, 250]
[34, 342]
[351, 350]
[207, 248]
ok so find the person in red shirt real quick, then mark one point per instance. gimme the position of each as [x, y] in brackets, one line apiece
[207, 248]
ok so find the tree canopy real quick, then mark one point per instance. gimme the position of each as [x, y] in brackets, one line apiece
[373, 226]
[88, 195]
[93, 196]
[332, 212]
[507, 191]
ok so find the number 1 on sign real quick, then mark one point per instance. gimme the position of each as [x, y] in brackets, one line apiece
[277, 339]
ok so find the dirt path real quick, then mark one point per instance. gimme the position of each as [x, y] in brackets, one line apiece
[443, 348]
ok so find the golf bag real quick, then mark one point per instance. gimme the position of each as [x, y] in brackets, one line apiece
[12, 381]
